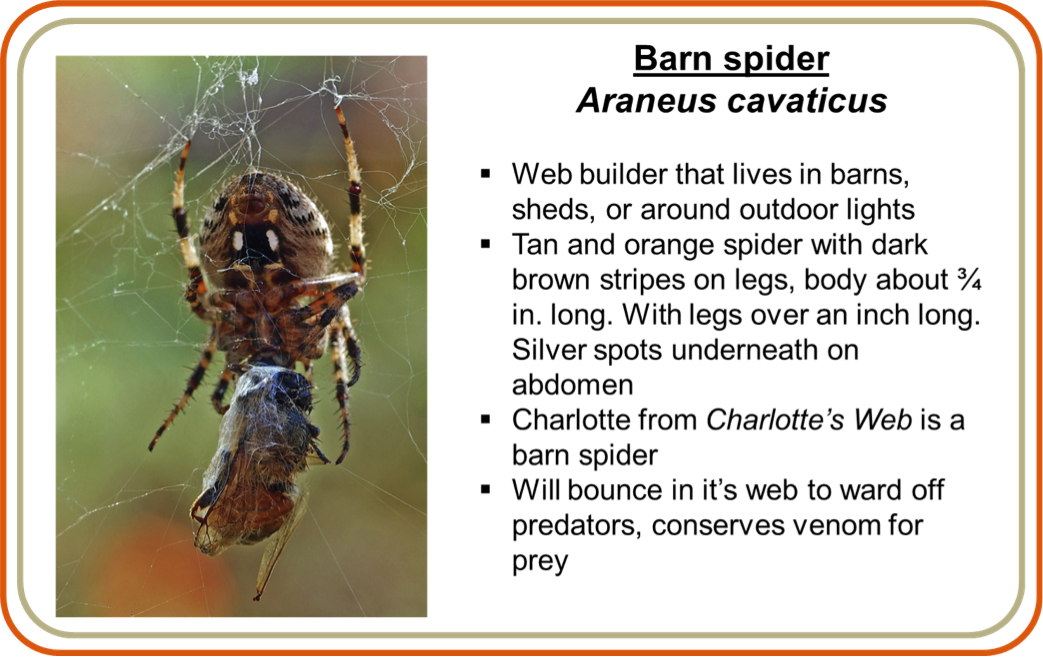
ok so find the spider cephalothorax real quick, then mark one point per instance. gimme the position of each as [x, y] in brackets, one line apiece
[268, 249]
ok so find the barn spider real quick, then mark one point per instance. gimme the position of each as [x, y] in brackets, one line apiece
[267, 248]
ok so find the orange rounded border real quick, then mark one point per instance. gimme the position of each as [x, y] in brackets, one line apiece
[5, 52]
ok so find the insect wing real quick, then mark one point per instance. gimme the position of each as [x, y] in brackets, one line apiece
[219, 525]
[278, 542]
[222, 475]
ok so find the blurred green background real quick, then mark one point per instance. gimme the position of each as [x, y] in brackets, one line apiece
[127, 341]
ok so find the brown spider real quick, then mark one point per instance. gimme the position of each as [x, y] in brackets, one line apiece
[268, 248]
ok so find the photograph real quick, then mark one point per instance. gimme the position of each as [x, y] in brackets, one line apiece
[241, 336]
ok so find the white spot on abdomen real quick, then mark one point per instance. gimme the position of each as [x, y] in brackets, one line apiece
[273, 241]
[237, 241]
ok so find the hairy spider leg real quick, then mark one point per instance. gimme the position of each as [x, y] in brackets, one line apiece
[358, 249]
[330, 310]
[342, 327]
[196, 289]
[195, 294]
[343, 333]
[218, 398]
[193, 384]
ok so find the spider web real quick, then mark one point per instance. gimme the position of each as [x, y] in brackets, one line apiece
[125, 336]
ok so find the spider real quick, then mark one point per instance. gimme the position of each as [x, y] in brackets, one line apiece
[268, 248]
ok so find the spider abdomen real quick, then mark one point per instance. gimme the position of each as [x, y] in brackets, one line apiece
[261, 221]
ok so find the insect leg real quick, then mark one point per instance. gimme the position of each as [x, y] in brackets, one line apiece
[314, 445]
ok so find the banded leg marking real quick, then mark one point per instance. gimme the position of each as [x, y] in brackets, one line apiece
[191, 387]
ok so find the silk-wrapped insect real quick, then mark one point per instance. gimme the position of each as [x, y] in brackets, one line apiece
[250, 490]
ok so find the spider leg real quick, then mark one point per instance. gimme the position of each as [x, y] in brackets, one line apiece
[358, 249]
[329, 308]
[309, 369]
[193, 384]
[196, 291]
[317, 287]
[306, 325]
[354, 350]
[325, 309]
[309, 324]
[345, 345]
[218, 398]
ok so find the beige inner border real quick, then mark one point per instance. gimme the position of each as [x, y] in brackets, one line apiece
[551, 635]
